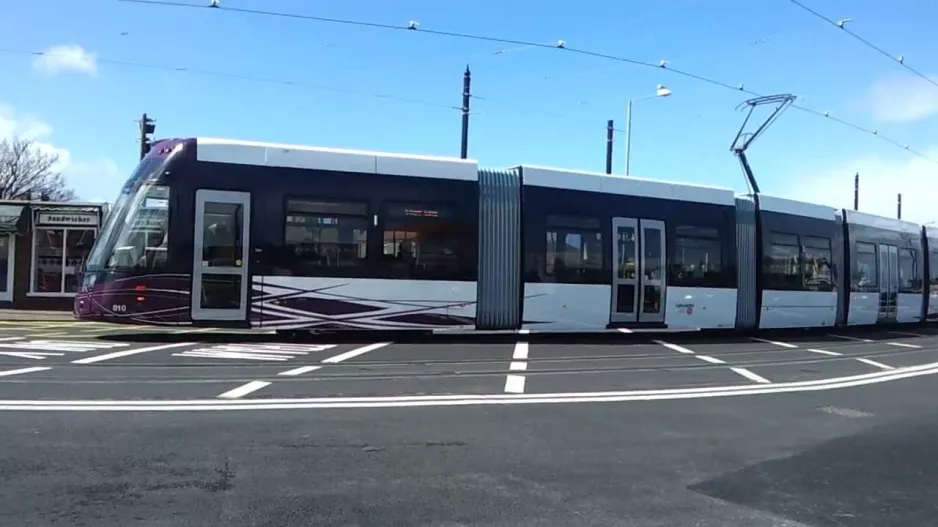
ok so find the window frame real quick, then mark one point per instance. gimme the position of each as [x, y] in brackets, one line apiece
[364, 266]
[697, 233]
[32, 262]
[576, 224]
[818, 243]
[463, 252]
[916, 273]
[854, 288]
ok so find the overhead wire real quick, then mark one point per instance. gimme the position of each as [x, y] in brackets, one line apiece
[842, 25]
[250, 78]
[560, 45]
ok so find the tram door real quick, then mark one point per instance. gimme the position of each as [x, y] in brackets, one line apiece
[220, 278]
[888, 283]
[638, 261]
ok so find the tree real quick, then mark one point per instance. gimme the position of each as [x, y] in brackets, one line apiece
[27, 171]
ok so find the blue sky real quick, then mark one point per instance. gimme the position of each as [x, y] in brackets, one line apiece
[543, 107]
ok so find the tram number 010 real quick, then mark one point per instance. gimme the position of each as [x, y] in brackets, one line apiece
[119, 308]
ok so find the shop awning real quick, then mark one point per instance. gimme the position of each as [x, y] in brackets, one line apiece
[12, 219]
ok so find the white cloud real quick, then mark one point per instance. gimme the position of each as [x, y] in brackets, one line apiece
[880, 182]
[902, 99]
[70, 58]
[93, 179]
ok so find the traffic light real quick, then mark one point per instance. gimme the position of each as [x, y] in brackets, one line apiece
[147, 128]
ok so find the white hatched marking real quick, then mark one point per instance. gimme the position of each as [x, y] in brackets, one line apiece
[23, 370]
[774, 342]
[904, 345]
[625, 330]
[6, 339]
[825, 352]
[518, 366]
[300, 371]
[876, 364]
[675, 347]
[906, 334]
[751, 376]
[846, 337]
[41, 349]
[241, 391]
[711, 360]
[260, 352]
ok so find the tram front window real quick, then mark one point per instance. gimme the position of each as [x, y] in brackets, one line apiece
[135, 235]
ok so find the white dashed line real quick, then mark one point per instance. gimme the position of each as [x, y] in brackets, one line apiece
[774, 342]
[903, 345]
[524, 331]
[711, 360]
[876, 364]
[625, 330]
[675, 347]
[300, 371]
[355, 353]
[846, 337]
[825, 352]
[24, 370]
[241, 391]
[127, 353]
[7, 339]
[514, 384]
[751, 376]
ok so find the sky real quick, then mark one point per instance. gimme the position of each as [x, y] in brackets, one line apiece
[208, 72]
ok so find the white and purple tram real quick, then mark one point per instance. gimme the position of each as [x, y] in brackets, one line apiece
[230, 233]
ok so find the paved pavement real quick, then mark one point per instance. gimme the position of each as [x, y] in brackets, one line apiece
[822, 429]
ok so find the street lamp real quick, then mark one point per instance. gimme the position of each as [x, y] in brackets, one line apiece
[661, 91]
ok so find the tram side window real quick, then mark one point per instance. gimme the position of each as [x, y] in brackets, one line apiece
[574, 251]
[143, 242]
[696, 260]
[325, 237]
[910, 280]
[426, 241]
[781, 267]
[818, 270]
[863, 275]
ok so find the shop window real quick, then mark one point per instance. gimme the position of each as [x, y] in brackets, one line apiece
[59, 255]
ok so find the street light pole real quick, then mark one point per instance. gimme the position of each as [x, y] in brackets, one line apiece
[660, 92]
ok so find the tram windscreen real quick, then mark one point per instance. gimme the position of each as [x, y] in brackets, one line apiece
[135, 233]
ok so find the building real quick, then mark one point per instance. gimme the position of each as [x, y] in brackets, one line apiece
[43, 246]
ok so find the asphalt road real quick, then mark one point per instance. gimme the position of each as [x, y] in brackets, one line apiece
[819, 430]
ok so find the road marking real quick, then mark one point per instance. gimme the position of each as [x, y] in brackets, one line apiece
[825, 352]
[355, 352]
[524, 331]
[518, 366]
[903, 345]
[24, 370]
[625, 330]
[514, 384]
[876, 364]
[751, 376]
[243, 390]
[42, 335]
[200, 330]
[846, 337]
[674, 347]
[127, 353]
[7, 339]
[711, 360]
[262, 352]
[426, 401]
[300, 371]
[905, 334]
[31, 355]
[844, 412]
[774, 342]
[521, 351]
